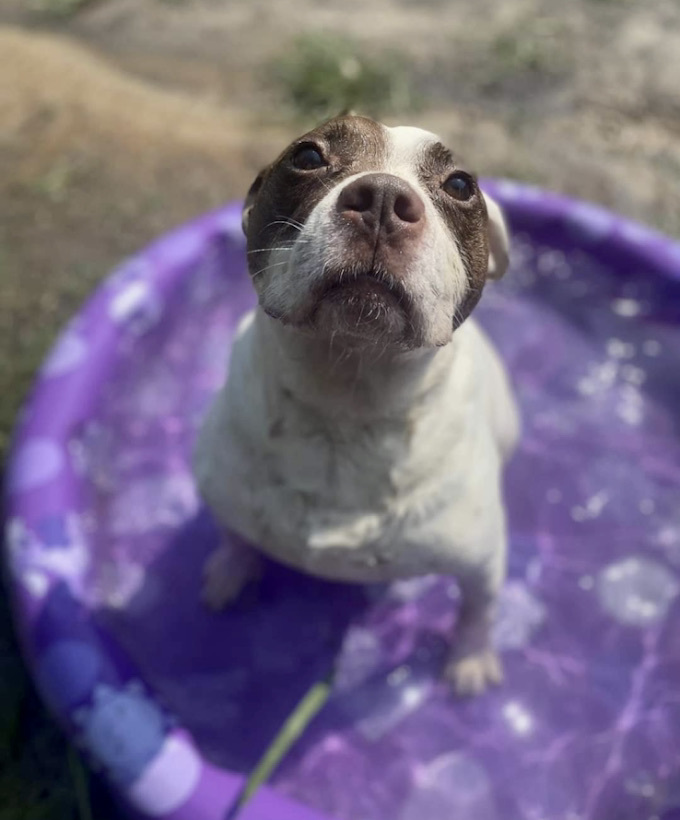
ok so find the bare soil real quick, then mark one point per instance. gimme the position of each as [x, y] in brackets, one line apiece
[128, 116]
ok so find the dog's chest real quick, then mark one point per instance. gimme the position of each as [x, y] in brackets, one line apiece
[345, 500]
[344, 466]
[337, 497]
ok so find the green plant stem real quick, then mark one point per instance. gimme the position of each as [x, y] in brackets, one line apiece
[80, 785]
[291, 730]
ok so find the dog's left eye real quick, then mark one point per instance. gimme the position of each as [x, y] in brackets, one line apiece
[459, 186]
[308, 158]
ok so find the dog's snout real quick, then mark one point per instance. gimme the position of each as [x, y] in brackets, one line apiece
[382, 201]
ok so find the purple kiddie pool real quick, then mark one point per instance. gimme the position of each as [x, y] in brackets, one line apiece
[175, 705]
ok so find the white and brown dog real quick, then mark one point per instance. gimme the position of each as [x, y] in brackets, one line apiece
[364, 424]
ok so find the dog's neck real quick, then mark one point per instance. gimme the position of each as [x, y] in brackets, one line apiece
[364, 383]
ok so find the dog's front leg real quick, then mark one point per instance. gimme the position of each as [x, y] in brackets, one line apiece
[474, 664]
[227, 570]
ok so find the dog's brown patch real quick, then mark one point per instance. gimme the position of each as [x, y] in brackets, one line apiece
[282, 196]
[467, 221]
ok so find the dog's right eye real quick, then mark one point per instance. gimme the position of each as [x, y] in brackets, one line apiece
[308, 158]
[459, 186]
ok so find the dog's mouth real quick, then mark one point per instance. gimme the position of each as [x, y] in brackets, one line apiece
[370, 289]
[360, 303]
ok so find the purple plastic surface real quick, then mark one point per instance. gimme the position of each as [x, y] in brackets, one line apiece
[268, 805]
[106, 538]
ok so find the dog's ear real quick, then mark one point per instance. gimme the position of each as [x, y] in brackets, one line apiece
[251, 196]
[499, 241]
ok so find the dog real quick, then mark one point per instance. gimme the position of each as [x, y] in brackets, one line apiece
[366, 417]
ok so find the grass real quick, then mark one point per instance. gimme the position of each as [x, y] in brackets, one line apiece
[59, 8]
[56, 182]
[321, 75]
[528, 47]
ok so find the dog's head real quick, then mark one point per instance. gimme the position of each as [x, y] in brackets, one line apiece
[373, 234]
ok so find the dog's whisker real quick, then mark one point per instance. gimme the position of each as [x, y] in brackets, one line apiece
[290, 220]
[289, 247]
[269, 267]
[296, 226]
[269, 250]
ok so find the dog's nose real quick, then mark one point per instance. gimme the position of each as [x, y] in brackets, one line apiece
[382, 201]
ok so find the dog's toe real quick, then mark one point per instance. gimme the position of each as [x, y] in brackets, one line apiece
[473, 674]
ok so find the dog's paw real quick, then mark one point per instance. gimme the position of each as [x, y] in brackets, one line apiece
[225, 576]
[473, 674]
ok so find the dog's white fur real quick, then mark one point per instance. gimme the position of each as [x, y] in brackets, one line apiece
[377, 464]
[362, 471]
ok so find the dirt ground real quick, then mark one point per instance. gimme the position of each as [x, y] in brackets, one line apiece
[125, 117]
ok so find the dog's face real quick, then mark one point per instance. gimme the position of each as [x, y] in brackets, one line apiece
[371, 234]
